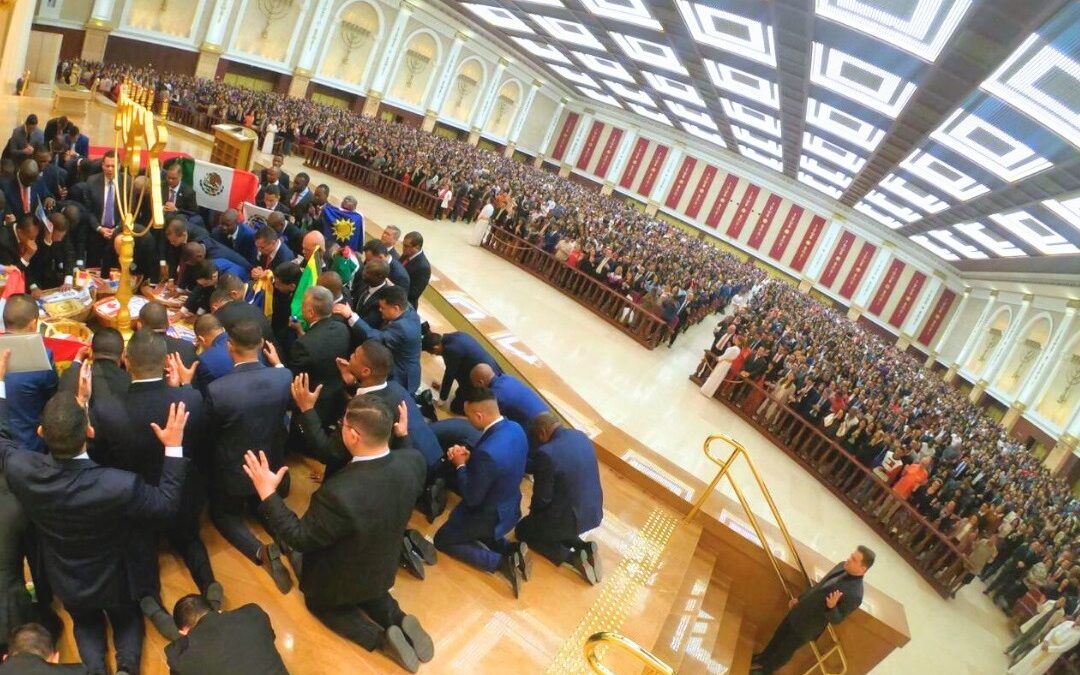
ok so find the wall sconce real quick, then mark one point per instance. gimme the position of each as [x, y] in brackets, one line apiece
[991, 342]
[502, 104]
[415, 63]
[1031, 349]
[1071, 380]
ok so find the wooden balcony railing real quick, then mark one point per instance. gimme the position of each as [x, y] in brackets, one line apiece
[412, 198]
[932, 553]
[194, 119]
[607, 303]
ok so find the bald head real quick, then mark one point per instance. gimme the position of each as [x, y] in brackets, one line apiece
[313, 241]
[543, 426]
[481, 375]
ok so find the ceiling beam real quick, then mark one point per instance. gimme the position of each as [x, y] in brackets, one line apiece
[793, 25]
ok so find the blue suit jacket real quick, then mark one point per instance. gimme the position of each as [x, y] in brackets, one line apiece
[402, 337]
[567, 494]
[38, 192]
[421, 437]
[461, 352]
[214, 362]
[490, 482]
[226, 265]
[244, 244]
[517, 401]
[28, 392]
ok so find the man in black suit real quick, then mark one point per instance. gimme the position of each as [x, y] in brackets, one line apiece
[829, 601]
[365, 292]
[105, 351]
[416, 265]
[175, 196]
[275, 174]
[234, 235]
[299, 197]
[32, 651]
[351, 534]
[83, 513]
[376, 250]
[227, 302]
[287, 231]
[102, 198]
[272, 251]
[236, 642]
[124, 442]
[154, 316]
[246, 409]
[752, 368]
[315, 353]
[389, 237]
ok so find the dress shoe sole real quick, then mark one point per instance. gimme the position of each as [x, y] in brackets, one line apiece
[592, 552]
[399, 650]
[411, 560]
[424, 548]
[436, 500]
[277, 570]
[580, 562]
[421, 642]
[524, 561]
[215, 593]
[509, 569]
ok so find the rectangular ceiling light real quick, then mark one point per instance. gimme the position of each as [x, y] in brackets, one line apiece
[921, 27]
[544, 51]
[963, 248]
[654, 115]
[712, 137]
[748, 85]
[1035, 232]
[1067, 209]
[751, 117]
[674, 88]
[604, 66]
[761, 158]
[766, 144]
[841, 157]
[499, 17]
[885, 219]
[989, 147]
[843, 125]
[600, 96]
[630, 93]
[730, 32]
[838, 178]
[881, 200]
[570, 32]
[574, 76]
[819, 185]
[860, 81]
[941, 175]
[653, 53]
[698, 117]
[1002, 248]
[939, 251]
[628, 11]
[913, 194]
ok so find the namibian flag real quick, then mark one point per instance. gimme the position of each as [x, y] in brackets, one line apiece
[218, 187]
[344, 227]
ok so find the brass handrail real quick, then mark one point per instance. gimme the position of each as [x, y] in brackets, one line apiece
[739, 450]
[649, 660]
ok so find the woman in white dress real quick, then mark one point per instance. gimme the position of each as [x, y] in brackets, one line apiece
[479, 230]
[268, 138]
[1042, 658]
[723, 364]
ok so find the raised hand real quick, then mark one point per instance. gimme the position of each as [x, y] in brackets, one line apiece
[172, 436]
[5, 356]
[86, 383]
[258, 470]
[270, 351]
[401, 426]
[833, 598]
[176, 373]
[305, 398]
[346, 375]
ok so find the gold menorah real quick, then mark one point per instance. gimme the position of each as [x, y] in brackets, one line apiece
[136, 130]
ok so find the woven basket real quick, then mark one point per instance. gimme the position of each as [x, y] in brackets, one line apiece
[68, 328]
[73, 309]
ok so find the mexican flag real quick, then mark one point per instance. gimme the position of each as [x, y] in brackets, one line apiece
[308, 278]
[218, 187]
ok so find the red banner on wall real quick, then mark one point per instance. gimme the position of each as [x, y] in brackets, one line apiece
[839, 255]
[911, 293]
[727, 188]
[703, 185]
[794, 214]
[858, 269]
[940, 311]
[764, 221]
[564, 136]
[608, 152]
[633, 162]
[810, 237]
[590, 144]
[888, 284]
[653, 170]
[678, 186]
[743, 212]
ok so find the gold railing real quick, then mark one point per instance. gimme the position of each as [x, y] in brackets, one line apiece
[738, 450]
[647, 659]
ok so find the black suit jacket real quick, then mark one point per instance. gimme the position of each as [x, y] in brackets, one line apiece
[419, 270]
[107, 378]
[94, 200]
[351, 533]
[185, 349]
[237, 642]
[284, 254]
[810, 615]
[82, 512]
[314, 353]
[185, 198]
[32, 664]
[235, 311]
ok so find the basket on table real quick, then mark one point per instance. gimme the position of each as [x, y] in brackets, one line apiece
[107, 309]
[67, 328]
[74, 304]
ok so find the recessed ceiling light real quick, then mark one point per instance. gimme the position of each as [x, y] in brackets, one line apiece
[745, 84]
[942, 175]
[913, 194]
[652, 53]
[989, 147]
[841, 157]
[696, 116]
[600, 96]
[843, 125]
[939, 251]
[604, 66]
[999, 247]
[761, 158]
[500, 17]
[674, 88]
[751, 117]
[709, 136]
[630, 93]
[861, 81]
[544, 51]
[654, 115]
[963, 248]
[1035, 232]
[921, 27]
[819, 185]
[838, 178]
[765, 144]
[885, 219]
[1067, 209]
[627, 11]
[575, 76]
[730, 32]
[882, 201]
[570, 32]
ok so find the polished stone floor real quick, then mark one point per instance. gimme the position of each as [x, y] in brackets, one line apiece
[647, 394]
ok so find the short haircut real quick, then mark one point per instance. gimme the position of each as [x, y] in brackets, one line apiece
[220, 296]
[107, 342]
[302, 174]
[246, 335]
[272, 189]
[370, 417]
[543, 422]
[394, 296]
[376, 270]
[63, 425]
[32, 638]
[379, 358]
[19, 312]
[25, 222]
[321, 299]
[229, 282]
[190, 251]
[867, 556]
[266, 233]
[415, 239]
[479, 395]
[395, 229]
[331, 281]
[189, 610]
[431, 341]
[175, 226]
[146, 351]
[207, 323]
[288, 273]
[375, 247]
[204, 269]
[154, 316]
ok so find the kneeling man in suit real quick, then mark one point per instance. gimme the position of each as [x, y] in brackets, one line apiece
[236, 642]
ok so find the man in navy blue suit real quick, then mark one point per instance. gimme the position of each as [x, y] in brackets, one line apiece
[214, 359]
[517, 400]
[233, 234]
[26, 190]
[460, 353]
[84, 512]
[271, 251]
[489, 480]
[400, 332]
[567, 498]
[246, 410]
[28, 391]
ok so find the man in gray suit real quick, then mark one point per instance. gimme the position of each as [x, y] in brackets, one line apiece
[24, 138]
[829, 601]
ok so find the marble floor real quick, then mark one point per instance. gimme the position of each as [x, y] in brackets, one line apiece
[647, 394]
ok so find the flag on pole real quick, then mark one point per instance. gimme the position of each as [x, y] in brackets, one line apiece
[254, 216]
[308, 278]
[218, 187]
[344, 227]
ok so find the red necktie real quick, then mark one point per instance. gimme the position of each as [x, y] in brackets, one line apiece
[26, 199]
[295, 198]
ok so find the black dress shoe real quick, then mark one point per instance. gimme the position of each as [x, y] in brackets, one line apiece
[161, 619]
[592, 551]
[214, 595]
[435, 499]
[508, 567]
[579, 560]
[411, 560]
[276, 568]
[421, 642]
[398, 649]
[424, 548]
[524, 560]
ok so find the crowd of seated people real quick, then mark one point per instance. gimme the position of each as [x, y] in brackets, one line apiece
[137, 440]
[671, 273]
[1017, 525]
